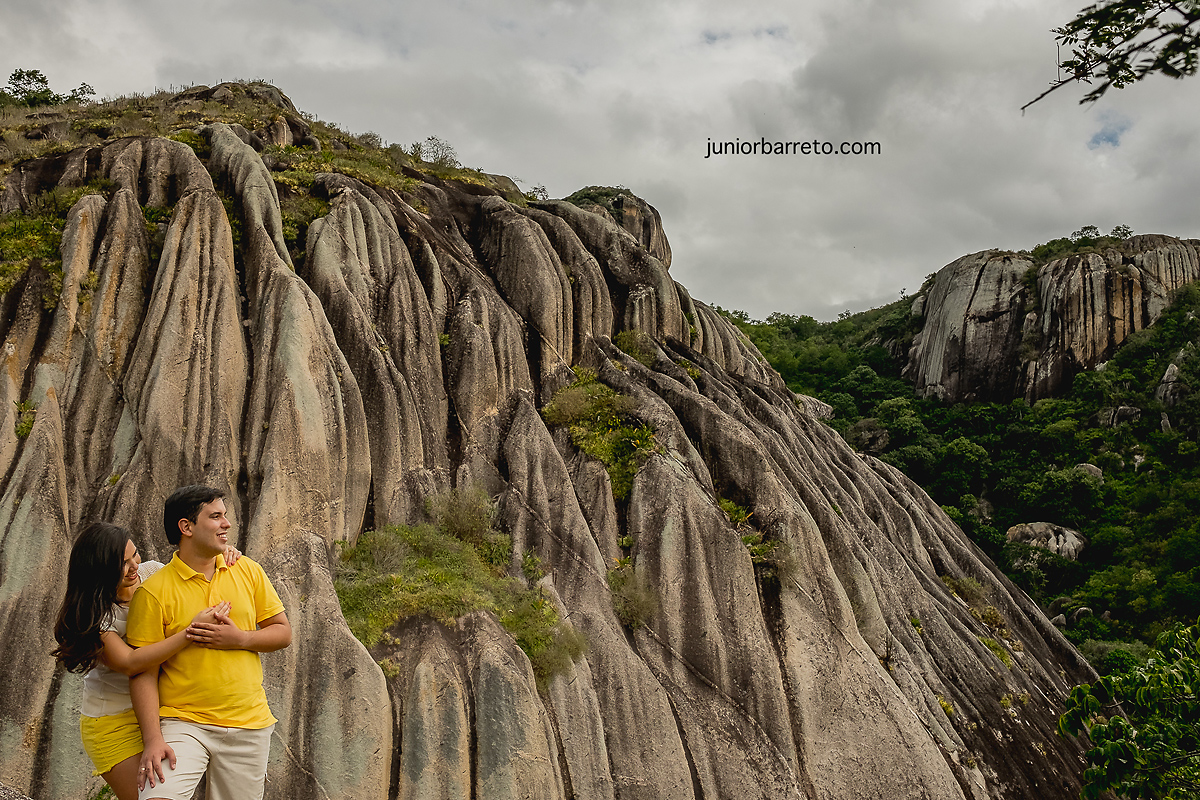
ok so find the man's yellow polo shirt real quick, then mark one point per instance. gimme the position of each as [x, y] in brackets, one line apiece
[212, 687]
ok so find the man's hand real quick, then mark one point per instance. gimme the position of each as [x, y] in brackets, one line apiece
[219, 635]
[152, 757]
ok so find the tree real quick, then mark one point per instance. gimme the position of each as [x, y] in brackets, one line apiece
[435, 151]
[1144, 724]
[1120, 42]
[31, 88]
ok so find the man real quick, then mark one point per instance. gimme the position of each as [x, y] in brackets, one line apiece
[210, 697]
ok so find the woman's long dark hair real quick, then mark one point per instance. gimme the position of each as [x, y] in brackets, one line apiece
[93, 575]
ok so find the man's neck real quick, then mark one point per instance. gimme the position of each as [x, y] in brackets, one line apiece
[205, 565]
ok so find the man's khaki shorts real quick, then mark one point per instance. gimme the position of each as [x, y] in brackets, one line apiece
[235, 760]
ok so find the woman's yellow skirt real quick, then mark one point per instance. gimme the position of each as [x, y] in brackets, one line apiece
[110, 740]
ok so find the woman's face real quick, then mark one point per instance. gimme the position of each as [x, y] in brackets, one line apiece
[129, 573]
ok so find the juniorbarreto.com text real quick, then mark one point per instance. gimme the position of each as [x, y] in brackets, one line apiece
[813, 147]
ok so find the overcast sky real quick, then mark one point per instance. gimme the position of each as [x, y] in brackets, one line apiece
[567, 94]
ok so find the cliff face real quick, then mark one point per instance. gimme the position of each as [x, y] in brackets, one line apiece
[996, 327]
[410, 350]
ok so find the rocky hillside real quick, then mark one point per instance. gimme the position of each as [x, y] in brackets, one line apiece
[996, 326]
[335, 342]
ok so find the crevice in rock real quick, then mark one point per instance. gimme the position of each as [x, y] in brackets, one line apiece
[769, 601]
[42, 767]
[563, 769]
[697, 789]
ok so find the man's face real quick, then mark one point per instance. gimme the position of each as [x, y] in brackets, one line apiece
[210, 531]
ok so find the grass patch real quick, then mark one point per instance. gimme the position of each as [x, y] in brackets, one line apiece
[969, 589]
[998, 650]
[637, 345]
[602, 426]
[775, 557]
[298, 165]
[688, 366]
[439, 570]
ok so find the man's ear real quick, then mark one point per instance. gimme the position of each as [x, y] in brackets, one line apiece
[185, 527]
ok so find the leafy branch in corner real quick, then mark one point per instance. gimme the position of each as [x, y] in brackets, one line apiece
[1144, 724]
[1120, 42]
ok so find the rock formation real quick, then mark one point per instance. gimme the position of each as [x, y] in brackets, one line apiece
[1048, 536]
[997, 327]
[410, 350]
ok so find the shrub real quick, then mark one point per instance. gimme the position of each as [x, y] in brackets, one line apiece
[26, 415]
[531, 567]
[633, 601]
[466, 514]
[1110, 658]
[298, 212]
[992, 617]
[601, 426]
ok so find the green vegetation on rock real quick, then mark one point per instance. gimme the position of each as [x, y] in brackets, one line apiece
[602, 196]
[633, 600]
[456, 565]
[637, 345]
[33, 238]
[603, 426]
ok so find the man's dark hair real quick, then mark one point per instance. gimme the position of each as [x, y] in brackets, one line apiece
[185, 503]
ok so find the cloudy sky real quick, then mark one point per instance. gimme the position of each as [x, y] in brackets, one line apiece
[568, 93]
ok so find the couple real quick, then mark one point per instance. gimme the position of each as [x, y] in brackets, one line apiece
[204, 617]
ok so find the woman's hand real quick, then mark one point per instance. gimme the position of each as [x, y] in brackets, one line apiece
[215, 613]
[232, 554]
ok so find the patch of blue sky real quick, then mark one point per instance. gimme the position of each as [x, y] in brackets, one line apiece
[1112, 128]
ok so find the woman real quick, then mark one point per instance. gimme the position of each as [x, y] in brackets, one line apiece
[104, 572]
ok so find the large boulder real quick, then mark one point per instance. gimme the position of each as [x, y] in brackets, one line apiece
[1048, 536]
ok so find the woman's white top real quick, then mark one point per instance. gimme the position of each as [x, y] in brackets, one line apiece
[106, 691]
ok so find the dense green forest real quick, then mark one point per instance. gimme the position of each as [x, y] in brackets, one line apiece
[993, 465]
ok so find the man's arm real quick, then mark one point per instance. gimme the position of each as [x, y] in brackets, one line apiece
[274, 633]
[143, 689]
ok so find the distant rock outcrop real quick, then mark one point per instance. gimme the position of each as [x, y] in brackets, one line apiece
[1048, 536]
[408, 351]
[996, 327]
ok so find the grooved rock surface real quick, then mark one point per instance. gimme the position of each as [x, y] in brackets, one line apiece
[995, 328]
[409, 351]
